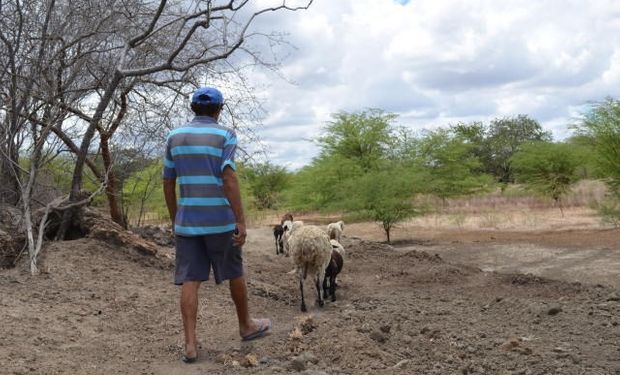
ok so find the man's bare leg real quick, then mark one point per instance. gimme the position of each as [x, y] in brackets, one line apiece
[239, 294]
[189, 312]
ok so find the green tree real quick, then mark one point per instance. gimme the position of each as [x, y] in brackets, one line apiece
[504, 139]
[451, 168]
[384, 196]
[547, 168]
[583, 147]
[364, 137]
[352, 144]
[602, 125]
[494, 144]
[320, 185]
[266, 182]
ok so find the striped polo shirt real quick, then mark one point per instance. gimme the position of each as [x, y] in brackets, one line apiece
[196, 155]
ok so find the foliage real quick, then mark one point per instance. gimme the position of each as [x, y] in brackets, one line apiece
[143, 193]
[320, 185]
[496, 143]
[584, 150]
[602, 125]
[385, 196]
[547, 168]
[364, 168]
[265, 182]
[362, 137]
[451, 168]
[610, 212]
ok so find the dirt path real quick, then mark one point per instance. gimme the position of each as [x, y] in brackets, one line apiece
[104, 310]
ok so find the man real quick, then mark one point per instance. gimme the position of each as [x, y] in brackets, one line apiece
[208, 222]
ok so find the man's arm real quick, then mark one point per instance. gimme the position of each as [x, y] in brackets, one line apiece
[170, 194]
[233, 194]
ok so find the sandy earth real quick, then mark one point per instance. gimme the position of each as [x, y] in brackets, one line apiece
[401, 310]
[588, 256]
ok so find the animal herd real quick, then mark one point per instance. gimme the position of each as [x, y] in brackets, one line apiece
[315, 251]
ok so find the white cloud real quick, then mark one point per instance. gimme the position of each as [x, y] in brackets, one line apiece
[436, 62]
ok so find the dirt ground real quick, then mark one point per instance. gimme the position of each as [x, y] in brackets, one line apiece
[100, 309]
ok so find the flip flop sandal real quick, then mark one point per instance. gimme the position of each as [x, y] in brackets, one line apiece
[187, 359]
[263, 331]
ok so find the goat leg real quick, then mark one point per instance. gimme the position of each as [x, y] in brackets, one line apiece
[332, 287]
[319, 290]
[325, 287]
[301, 288]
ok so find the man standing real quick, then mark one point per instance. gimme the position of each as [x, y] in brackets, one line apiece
[208, 221]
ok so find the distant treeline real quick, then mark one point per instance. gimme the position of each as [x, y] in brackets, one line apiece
[373, 169]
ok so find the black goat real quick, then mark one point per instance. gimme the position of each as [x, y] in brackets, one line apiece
[278, 231]
[332, 270]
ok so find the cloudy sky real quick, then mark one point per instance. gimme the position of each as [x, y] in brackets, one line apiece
[436, 62]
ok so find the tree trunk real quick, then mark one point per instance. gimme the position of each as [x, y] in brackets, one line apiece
[9, 189]
[111, 188]
[78, 170]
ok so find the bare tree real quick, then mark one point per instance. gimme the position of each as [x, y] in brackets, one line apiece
[177, 38]
[89, 63]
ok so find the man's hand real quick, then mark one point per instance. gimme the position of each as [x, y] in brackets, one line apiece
[239, 235]
[170, 194]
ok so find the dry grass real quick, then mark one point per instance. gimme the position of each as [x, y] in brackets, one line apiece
[511, 209]
[516, 218]
[585, 193]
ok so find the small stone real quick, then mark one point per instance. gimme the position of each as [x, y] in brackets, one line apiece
[385, 328]
[615, 297]
[297, 364]
[402, 364]
[378, 336]
[265, 360]
[250, 360]
[308, 357]
[555, 310]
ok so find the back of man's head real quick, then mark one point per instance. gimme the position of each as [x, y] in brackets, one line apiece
[207, 101]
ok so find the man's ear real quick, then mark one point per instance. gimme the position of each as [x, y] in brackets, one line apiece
[219, 112]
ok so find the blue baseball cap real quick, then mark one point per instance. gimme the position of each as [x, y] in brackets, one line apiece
[207, 95]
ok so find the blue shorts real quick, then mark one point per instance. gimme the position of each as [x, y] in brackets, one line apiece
[197, 255]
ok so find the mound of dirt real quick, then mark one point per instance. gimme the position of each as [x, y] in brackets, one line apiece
[97, 225]
[161, 235]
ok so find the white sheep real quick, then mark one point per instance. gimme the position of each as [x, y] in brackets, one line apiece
[311, 252]
[288, 227]
[334, 230]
